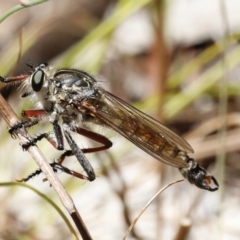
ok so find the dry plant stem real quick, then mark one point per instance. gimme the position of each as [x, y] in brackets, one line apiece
[149, 202]
[223, 99]
[183, 230]
[161, 64]
[11, 119]
[161, 57]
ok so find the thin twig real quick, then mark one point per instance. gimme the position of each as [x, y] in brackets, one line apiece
[146, 206]
[11, 119]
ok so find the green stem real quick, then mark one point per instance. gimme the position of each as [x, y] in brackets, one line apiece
[19, 7]
[45, 197]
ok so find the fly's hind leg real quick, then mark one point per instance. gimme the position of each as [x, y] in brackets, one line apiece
[79, 153]
[57, 165]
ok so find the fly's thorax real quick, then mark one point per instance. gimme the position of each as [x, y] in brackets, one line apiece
[75, 82]
[67, 90]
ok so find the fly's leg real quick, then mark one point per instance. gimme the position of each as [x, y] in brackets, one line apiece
[28, 122]
[33, 113]
[33, 141]
[58, 164]
[55, 166]
[24, 123]
[38, 113]
[15, 80]
[27, 114]
[75, 150]
[57, 143]
[79, 153]
[58, 135]
[80, 156]
[93, 136]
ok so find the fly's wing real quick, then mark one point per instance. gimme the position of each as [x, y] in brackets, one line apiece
[142, 130]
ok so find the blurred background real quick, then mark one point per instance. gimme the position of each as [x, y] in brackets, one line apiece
[176, 60]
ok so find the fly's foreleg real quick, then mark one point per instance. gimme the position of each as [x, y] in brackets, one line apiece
[31, 118]
[23, 123]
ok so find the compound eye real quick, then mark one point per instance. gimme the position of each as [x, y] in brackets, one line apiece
[37, 80]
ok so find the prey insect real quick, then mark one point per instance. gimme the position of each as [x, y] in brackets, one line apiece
[70, 97]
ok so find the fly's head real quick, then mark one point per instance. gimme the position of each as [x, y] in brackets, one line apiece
[38, 85]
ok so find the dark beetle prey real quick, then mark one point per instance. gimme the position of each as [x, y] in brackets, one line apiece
[70, 97]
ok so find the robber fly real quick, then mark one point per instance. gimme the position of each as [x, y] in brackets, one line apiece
[70, 97]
